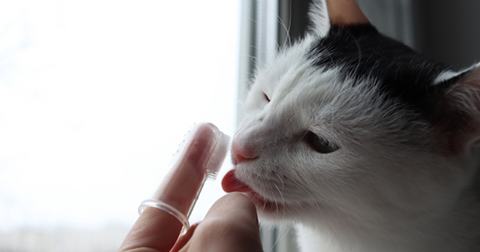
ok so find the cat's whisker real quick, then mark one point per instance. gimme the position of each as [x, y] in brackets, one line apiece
[281, 180]
[324, 199]
[281, 192]
[318, 206]
[292, 118]
[302, 137]
[314, 200]
[285, 27]
[279, 238]
[359, 53]
[282, 198]
[256, 48]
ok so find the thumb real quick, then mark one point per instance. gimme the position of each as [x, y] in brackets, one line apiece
[230, 225]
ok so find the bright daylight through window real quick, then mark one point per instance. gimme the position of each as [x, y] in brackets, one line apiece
[94, 98]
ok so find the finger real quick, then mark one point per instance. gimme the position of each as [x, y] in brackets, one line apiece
[184, 238]
[230, 225]
[155, 230]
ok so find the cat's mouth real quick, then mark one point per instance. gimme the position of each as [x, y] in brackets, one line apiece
[230, 183]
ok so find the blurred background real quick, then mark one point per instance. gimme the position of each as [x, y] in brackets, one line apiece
[95, 96]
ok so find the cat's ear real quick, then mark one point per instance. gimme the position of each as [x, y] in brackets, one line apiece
[458, 113]
[324, 13]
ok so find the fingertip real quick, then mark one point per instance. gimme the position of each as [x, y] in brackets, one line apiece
[236, 200]
[243, 200]
[232, 223]
[235, 207]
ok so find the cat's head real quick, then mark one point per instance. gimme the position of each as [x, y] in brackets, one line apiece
[350, 125]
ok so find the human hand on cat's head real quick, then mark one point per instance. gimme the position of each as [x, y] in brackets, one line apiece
[231, 224]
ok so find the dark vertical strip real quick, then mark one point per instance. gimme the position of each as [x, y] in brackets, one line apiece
[293, 20]
[253, 53]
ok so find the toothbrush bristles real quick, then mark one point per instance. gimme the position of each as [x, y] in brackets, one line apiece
[218, 155]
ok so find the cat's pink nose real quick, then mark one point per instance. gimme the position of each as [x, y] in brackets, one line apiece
[242, 152]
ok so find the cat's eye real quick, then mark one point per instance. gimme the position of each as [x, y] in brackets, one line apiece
[266, 97]
[320, 144]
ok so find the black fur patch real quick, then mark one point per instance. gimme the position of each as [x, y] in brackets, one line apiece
[361, 52]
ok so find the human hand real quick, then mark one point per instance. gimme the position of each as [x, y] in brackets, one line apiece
[230, 225]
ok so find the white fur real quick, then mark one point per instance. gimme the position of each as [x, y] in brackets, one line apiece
[445, 76]
[451, 74]
[388, 188]
[319, 18]
[467, 94]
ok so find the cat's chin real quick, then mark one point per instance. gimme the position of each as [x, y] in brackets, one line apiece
[265, 205]
[276, 212]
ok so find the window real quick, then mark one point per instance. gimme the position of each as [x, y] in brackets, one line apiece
[94, 98]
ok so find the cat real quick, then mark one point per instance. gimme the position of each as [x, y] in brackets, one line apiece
[361, 142]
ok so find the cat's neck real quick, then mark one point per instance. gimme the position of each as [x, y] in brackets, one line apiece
[456, 229]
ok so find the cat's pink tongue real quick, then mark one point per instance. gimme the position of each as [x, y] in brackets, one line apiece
[230, 183]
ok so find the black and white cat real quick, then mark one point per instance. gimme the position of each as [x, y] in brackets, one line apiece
[361, 142]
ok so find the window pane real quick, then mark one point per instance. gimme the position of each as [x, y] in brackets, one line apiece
[94, 98]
